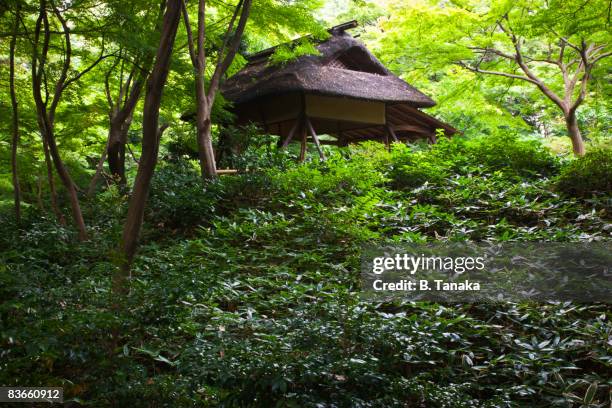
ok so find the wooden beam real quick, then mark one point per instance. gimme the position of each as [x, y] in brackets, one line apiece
[427, 118]
[227, 171]
[392, 132]
[292, 131]
[315, 138]
[331, 142]
[386, 139]
[414, 129]
[401, 117]
[304, 135]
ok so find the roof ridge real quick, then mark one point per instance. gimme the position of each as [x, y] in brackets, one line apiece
[335, 30]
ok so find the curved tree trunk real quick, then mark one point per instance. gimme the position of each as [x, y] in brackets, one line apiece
[116, 151]
[151, 134]
[52, 190]
[226, 54]
[208, 165]
[15, 124]
[94, 181]
[46, 115]
[573, 131]
[64, 175]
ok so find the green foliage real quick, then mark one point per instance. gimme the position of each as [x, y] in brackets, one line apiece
[430, 44]
[588, 175]
[246, 290]
[290, 52]
[509, 155]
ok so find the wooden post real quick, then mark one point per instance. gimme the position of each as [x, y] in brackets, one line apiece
[292, 131]
[392, 133]
[263, 119]
[303, 147]
[315, 138]
[432, 139]
[386, 140]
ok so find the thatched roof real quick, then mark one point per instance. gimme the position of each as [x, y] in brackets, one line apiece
[345, 67]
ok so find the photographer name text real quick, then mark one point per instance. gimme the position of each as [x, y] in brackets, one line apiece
[405, 263]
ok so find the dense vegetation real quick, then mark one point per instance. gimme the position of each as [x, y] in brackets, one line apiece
[131, 275]
[246, 291]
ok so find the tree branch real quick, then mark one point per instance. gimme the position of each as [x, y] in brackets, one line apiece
[520, 61]
[86, 70]
[59, 85]
[189, 33]
[601, 56]
[201, 49]
[498, 73]
[224, 64]
[228, 32]
[107, 89]
[485, 50]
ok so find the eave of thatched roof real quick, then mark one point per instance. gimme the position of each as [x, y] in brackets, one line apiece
[366, 79]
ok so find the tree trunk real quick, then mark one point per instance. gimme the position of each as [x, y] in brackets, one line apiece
[207, 151]
[208, 165]
[119, 126]
[94, 180]
[52, 191]
[204, 100]
[15, 124]
[46, 117]
[39, 193]
[116, 151]
[64, 175]
[224, 145]
[150, 146]
[574, 133]
[303, 145]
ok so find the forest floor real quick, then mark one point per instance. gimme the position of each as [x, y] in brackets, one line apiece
[245, 292]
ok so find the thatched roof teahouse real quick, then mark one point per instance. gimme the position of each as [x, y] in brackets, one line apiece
[343, 92]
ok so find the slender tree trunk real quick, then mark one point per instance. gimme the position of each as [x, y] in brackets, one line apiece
[120, 123]
[52, 191]
[39, 200]
[15, 124]
[150, 146]
[224, 146]
[204, 98]
[208, 165]
[574, 133]
[64, 175]
[303, 146]
[116, 151]
[46, 116]
[94, 181]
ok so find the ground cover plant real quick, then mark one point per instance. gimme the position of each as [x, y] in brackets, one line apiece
[246, 289]
[159, 249]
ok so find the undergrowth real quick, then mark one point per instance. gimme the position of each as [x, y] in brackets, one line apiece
[245, 291]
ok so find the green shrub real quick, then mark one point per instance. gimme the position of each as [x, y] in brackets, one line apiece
[178, 199]
[261, 307]
[357, 174]
[588, 175]
[416, 169]
[512, 156]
